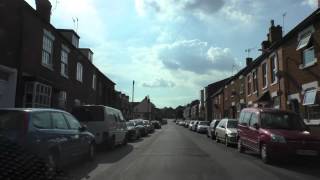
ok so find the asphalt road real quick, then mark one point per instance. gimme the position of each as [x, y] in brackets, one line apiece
[175, 153]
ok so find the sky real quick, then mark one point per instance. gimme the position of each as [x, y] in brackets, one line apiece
[173, 48]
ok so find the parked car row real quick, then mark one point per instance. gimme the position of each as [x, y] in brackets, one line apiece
[197, 126]
[59, 137]
[272, 133]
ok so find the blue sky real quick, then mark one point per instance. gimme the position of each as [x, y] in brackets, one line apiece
[173, 48]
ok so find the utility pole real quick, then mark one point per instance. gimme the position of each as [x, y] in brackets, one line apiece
[132, 100]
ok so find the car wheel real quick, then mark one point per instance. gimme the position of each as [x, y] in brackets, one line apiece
[264, 153]
[91, 153]
[240, 146]
[226, 141]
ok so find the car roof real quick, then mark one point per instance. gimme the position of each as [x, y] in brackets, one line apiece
[32, 109]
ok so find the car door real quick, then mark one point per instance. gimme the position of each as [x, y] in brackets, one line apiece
[80, 144]
[123, 126]
[244, 128]
[220, 128]
[253, 133]
[66, 137]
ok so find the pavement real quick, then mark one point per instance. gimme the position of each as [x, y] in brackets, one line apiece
[176, 153]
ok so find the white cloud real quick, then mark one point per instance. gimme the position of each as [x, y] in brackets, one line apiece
[311, 3]
[159, 83]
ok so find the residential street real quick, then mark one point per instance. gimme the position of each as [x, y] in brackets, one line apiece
[174, 153]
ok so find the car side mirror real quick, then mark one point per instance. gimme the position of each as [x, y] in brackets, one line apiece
[83, 128]
[256, 126]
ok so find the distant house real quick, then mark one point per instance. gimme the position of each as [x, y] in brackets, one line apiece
[145, 109]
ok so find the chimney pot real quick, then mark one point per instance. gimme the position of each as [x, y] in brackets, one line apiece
[272, 22]
[248, 61]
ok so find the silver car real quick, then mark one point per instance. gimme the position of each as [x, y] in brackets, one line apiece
[202, 126]
[226, 131]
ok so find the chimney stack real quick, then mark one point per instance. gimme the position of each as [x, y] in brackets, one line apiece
[248, 61]
[43, 7]
[275, 33]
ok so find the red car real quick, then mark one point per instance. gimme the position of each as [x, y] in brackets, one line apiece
[275, 133]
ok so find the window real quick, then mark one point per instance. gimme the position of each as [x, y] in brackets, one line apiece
[241, 88]
[59, 122]
[310, 97]
[94, 82]
[244, 118]
[308, 57]
[74, 124]
[41, 120]
[255, 81]
[64, 61]
[253, 120]
[276, 102]
[304, 40]
[37, 95]
[249, 84]
[79, 72]
[11, 120]
[62, 99]
[47, 49]
[274, 69]
[264, 75]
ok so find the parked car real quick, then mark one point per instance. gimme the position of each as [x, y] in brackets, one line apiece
[275, 133]
[140, 126]
[194, 126]
[106, 123]
[202, 127]
[156, 124]
[148, 125]
[133, 131]
[212, 128]
[186, 123]
[181, 123]
[191, 124]
[54, 135]
[226, 131]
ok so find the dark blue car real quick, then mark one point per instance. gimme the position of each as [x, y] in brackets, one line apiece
[54, 135]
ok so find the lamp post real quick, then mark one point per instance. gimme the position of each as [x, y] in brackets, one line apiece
[132, 101]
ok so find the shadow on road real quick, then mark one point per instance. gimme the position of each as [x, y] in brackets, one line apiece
[81, 170]
[305, 165]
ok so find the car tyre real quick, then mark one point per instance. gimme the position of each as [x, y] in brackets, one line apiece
[240, 146]
[265, 155]
[112, 143]
[226, 141]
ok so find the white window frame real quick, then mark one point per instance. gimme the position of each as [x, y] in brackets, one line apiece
[40, 93]
[249, 79]
[79, 75]
[255, 84]
[94, 81]
[314, 92]
[47, 49]
[274, 60]
[62, 99]
[304, 64]
[265, 74]
[64, 61]
[306, 33]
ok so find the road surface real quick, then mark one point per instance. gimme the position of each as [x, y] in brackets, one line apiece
[176, 153]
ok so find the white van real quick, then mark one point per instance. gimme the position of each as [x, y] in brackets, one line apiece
[106, 123]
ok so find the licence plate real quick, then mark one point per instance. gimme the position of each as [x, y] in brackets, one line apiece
[307, 152]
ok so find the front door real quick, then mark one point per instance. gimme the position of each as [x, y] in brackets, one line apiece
[253, 132]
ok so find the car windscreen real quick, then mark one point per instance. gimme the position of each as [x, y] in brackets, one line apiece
[287, 121]
[139, 123]
[89, 113]
[11, 120]
[232, 124]
[204, 123]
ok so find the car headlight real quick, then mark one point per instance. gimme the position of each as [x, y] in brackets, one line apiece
[277, 138]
